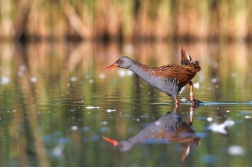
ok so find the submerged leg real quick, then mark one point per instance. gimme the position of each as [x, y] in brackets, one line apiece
[176, 100]
[176, 107]
[191, 116]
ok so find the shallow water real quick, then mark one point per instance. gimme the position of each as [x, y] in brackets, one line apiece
[56, 105]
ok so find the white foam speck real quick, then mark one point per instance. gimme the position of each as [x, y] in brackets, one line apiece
[110, 110]
[101, 76]
[33, 79]
[229, 122]
[121, 73]
[209, 119]
[183, 99]
[196, 85]
[221, 128]
[73, 79]
[91, 81]
[247, 117]
[91, 107]
[5, 80]
[236, 150]
[74, 127]
[214, 80]
[104, 123]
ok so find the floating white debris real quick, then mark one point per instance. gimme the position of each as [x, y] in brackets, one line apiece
[214, 80]
[110, 110]
[247, 117]
[33, 79]
[196, 85]
[74, 127]
[91, 81]
[101, 76]
[229, 122]
[236, 150]
[209, 119]
[73, 79]
[104, 123]
[5, 80]
[58, 150]
[121, 73]
[183, 99]
[91, 107]
[220, 128]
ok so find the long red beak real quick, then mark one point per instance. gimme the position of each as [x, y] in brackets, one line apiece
[114, 142]
[111, 66]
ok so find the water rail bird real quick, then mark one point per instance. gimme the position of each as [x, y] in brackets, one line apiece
[169, 79]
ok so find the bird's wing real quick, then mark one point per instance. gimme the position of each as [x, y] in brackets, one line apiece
[183, 74]
[168, 71]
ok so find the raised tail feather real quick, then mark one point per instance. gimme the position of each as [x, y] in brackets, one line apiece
[185, 57]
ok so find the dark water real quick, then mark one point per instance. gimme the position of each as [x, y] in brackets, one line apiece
[56, 105]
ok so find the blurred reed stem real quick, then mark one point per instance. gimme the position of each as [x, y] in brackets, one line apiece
[126, 20]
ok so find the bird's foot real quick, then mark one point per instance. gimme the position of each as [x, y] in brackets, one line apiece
[196, 103]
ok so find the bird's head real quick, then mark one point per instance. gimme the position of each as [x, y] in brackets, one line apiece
[122, 62]
[124, 145]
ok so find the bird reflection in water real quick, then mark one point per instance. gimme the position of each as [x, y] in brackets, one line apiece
[170, 128]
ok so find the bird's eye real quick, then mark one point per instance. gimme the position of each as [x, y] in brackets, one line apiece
[120, 61]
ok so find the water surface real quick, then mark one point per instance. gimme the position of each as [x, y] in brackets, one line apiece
[56, 105]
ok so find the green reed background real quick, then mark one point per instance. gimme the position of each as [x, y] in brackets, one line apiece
[126, 19]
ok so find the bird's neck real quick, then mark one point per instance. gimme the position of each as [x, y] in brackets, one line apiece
[140, 69]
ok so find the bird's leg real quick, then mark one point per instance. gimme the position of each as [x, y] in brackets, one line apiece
[176, 100]
[191, 91]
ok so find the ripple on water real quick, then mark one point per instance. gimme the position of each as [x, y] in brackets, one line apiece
[209, 159]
